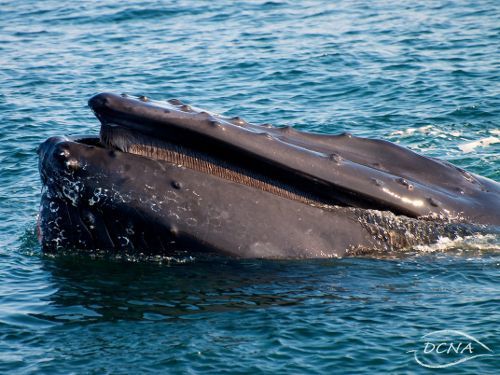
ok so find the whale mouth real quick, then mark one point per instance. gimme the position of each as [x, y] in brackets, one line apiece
[332, 170]
[182, 135]
[125, 140]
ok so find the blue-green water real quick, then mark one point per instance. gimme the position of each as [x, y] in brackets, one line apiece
[426, 76]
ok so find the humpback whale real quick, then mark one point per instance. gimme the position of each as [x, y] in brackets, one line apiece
[163, 177]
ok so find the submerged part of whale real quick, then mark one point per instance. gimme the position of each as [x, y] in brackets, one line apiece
[165, 177]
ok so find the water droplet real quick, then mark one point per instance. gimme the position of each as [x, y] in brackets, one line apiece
[64, 153]
[173, 231]
[73, 164]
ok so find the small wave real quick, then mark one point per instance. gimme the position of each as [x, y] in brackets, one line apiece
[470, 112]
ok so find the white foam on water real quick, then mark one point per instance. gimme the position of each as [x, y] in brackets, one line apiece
[495, 131]
[430, 130]
[411, 131]
[484, 142]
[124, 257]
[482, 242]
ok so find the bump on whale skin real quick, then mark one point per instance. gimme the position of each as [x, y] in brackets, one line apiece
[165, 177]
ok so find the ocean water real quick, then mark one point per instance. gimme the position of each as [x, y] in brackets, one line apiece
[425, 75]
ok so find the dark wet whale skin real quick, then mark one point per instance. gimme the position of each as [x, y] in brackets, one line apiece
[96, 198]
[101, 198]
[360, 172]
[121, 201]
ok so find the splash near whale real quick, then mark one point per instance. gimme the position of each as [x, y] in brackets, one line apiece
[163, 177]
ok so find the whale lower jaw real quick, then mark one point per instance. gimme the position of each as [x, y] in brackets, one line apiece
[98, 198]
